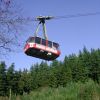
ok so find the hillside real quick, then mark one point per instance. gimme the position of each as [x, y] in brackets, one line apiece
[78, 76]
[73, 91]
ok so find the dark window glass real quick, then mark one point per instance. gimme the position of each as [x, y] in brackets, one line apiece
[31, 39]
[38, 40]
[55, 45]
[49, 44]
[43, 42]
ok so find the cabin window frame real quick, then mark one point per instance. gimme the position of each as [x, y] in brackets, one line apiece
[50, 43]
[30, 40]
[42, 42]
[37, 38]
[55, 46]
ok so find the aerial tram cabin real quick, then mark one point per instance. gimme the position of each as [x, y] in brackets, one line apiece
[41, 47]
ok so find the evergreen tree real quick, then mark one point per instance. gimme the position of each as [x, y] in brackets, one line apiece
[55, 74]
[40, 75]
[3, 85]
[81, 69]
[95, 65]
[25, 82]
[10, 78]
[43, 74]
[67, 70]
[35, 77]
[16, 79]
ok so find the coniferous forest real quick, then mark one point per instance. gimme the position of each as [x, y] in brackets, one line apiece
[74, 69]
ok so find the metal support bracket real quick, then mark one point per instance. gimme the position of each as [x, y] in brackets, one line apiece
[41, 20]
[37, 29]
[44, 30]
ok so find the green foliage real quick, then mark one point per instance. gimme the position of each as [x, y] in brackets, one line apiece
[72, 91]
[89, 91]
[3, 81]
[10, 78]
[25, 82]
[74, 68]
[40, 75]
[95, 65]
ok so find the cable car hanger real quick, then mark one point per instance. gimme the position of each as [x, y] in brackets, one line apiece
[41, 20]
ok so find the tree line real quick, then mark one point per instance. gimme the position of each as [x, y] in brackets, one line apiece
[74, 68]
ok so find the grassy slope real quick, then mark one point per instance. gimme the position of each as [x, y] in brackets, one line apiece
[73, 91]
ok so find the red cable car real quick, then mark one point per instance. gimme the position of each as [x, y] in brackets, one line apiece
[42, 48]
